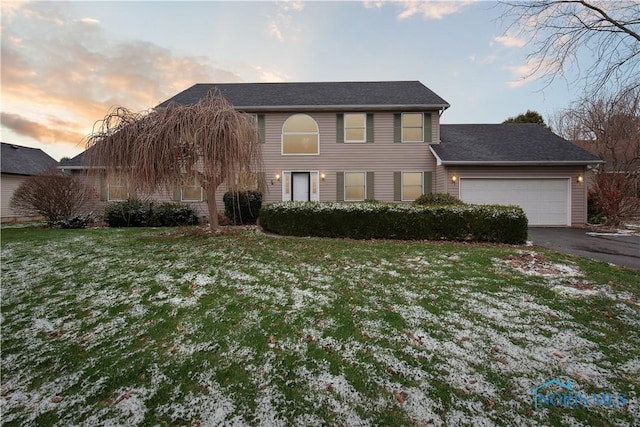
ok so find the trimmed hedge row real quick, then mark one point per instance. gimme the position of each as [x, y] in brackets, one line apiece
[138, 213]
[485, 223]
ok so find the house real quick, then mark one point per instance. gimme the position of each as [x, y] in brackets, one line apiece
[17, 164]
[350, 141]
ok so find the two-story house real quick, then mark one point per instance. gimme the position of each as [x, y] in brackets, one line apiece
[353, 141]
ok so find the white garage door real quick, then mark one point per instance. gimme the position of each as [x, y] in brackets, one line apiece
[545, 201]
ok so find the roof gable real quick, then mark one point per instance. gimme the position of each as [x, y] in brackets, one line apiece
[19, 160]
[507, 143]
[318, 95]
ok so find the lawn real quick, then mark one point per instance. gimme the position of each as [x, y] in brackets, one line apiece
[175, 327]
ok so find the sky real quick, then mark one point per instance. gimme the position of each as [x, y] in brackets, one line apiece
[65, 64]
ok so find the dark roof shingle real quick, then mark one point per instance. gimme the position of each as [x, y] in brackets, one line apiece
[507, 143]
[19, 160]
[317, 95]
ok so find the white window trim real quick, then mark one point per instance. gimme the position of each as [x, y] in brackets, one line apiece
[345, 186]
[421, 129]
[182, 199]
[316, 133]
[364, 128]
[402, 198]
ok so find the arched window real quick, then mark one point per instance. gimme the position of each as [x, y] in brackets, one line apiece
[300, 135]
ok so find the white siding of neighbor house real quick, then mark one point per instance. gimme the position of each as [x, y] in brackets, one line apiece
[578, 190]
[10, 184]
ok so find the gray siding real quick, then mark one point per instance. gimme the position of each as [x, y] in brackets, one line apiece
[10, 183]
[382, 157]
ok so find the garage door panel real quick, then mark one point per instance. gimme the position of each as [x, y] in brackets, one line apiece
[545, 201]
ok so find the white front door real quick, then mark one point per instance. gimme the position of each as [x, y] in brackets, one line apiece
[300, 190]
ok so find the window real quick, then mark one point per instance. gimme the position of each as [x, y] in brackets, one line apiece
[117, 189]
[412, 127]
[355, 187]
[355, 127]
[411, 185]
[191, 191]
[300, 135]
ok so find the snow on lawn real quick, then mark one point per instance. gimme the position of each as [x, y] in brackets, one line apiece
[228, 335]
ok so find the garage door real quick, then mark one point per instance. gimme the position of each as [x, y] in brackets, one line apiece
[545, 201]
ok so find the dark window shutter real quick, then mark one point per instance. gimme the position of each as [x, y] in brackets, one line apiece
[397, 186]
[176, 192]
[369, 127]
[427, 127]
[340, 186]
[371, 194]
[427, 182]
[397, 127]
[103, 187]
[261, 128]
[340, 128]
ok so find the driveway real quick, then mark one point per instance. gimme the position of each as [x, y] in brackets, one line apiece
[615, 248]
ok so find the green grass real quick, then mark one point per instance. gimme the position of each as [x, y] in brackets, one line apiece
[175, 327]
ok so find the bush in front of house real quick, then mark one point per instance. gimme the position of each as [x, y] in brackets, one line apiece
[138, 213]
[486, 223]
[437, 199]
[242, 207]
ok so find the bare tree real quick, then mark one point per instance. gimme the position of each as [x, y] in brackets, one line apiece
[609, 126]
[559, 30]
[53, 195]
[210, 141]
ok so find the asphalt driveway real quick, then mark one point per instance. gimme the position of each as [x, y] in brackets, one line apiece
[615, 248]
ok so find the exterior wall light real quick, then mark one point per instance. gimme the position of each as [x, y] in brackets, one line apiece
[454, 179]
[278, 177]
[322, 176]
[580, 179]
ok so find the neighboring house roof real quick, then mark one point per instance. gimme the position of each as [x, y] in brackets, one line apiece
[617, 157]
[76, 162]
[19, 160]
[316, 96]
[504, 144]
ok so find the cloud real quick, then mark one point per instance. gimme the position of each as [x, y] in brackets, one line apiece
[55, 131]
[510, 41]
[527, 72]
[270, 75]
[60, 75]
[281, 26]
[428, 9]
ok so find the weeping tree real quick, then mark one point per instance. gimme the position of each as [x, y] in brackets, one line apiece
[209, 141]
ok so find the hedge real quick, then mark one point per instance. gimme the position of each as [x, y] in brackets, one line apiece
[484, 223]
[242, 207]
[138, 213]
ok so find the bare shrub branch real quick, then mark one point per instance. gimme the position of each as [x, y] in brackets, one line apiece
[55, 196]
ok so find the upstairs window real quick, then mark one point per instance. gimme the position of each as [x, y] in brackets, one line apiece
[355, 126]
[412, 127]
[300, 135]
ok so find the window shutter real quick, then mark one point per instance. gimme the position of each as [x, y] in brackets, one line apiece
[204, 195]
[103, 187]
[370, 186]
[176, 193]
[262, 181]
[427, 182]
[340, 128]
[261, 128]
[340, 186]
[397, 186]
[427, 127]
[369, 127]
[397, 127]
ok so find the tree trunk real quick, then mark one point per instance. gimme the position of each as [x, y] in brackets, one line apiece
[212, 204]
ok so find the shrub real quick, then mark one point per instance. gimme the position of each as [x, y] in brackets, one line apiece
[242, 207]
[614, 196]
[137, 213]
[55, 196]
[78, 221]
[128, 213]
[490, 223]
[438, 199]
